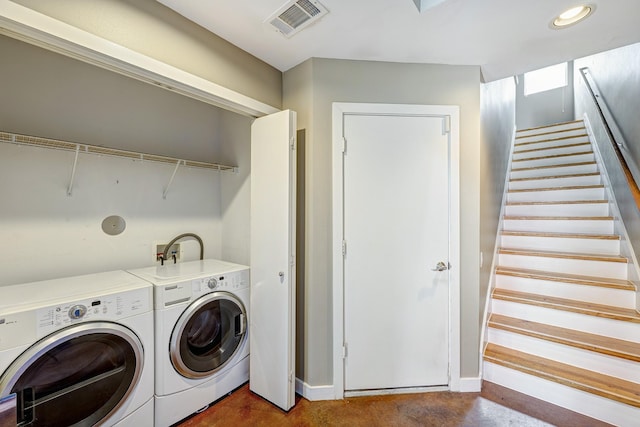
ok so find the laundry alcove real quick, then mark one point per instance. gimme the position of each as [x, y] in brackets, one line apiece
[80, 143]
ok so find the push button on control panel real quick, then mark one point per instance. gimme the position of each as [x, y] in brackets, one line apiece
[77, 311]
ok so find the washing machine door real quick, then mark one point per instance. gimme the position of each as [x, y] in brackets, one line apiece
[207, 335]
[78, 376]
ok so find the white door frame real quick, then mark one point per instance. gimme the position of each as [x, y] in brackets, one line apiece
[451, 118]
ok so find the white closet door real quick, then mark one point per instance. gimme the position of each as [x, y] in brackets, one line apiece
[272, 312]
[396, 229]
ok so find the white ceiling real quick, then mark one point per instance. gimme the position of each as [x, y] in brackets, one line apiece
[504, 37]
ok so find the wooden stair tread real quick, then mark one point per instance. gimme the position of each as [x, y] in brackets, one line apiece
[569, 187]
[551, 126]
[574, 306]
[578, 127]
[577, 279]
[606, 386]
[560, 235]
[541, 141]
[563, 165]
[558, 218]
[555, 147]
[560, 202]
[627, 350]
[563, 255]
[536, 178]
[552, 156]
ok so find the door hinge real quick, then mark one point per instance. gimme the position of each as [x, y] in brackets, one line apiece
[344, 248]
[446, 125]
[292, 261]
[290, 376]
[344, 145]
[292, 142]
[344, 351]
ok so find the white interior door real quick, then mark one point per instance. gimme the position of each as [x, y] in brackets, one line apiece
[396, 231]
[272, 314]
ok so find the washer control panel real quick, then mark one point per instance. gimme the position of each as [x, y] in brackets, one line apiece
[107, 307]
[189, 290]
[232, 281]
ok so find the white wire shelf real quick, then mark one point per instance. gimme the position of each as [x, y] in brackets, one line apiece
[36, 141]
[94, 149]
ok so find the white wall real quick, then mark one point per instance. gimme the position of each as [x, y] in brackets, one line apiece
[235, 140]
[47, 234]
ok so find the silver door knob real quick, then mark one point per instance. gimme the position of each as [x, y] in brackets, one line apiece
[441, 266]
[281, 274]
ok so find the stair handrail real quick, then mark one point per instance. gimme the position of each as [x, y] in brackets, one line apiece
[615, 135]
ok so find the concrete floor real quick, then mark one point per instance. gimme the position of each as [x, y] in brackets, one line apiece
[495, 406]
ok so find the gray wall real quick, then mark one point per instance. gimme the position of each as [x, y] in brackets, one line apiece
[617, 75]
[49, 95]
[544, 108]
[497, 127]
[150, 28]
[310, 89]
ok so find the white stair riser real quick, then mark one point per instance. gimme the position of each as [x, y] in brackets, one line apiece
[578, 209]
[565, 319]
[551, 140]
[551, 128]
[589, 404]
[585, 226]
[566, 244]
[613, 270]
[525, 153]
[587, 293]
[548, 161]
[557, 195]
[560, 170]
[585, 359]
[556, 182]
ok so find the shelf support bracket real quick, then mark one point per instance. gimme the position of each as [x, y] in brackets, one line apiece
[73, 171]
[173, 175]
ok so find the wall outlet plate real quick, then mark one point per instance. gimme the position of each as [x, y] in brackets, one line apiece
[158, 249]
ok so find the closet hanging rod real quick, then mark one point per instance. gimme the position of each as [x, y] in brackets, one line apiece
[55, 144]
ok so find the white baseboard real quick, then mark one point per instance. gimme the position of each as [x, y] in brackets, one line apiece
[326, 392]
[470, 384]
[322, 392]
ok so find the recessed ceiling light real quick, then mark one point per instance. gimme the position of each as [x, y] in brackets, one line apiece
[572, 16]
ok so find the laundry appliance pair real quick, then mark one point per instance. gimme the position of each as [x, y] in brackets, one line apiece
[201, 336]
[126, 349]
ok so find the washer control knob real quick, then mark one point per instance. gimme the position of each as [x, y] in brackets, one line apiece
[212, 283]
[77, 311]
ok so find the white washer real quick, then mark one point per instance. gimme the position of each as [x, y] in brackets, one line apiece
[79, 350]
[202, 347]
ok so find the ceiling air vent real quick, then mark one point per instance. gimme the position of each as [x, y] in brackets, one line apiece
[294, 16]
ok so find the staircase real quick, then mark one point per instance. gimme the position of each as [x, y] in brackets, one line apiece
[563, 325]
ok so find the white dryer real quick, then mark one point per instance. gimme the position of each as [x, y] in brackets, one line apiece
[79, 350]
[202, 347]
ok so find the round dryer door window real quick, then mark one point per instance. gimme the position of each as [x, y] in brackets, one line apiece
[77, 376]
[208, 334]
